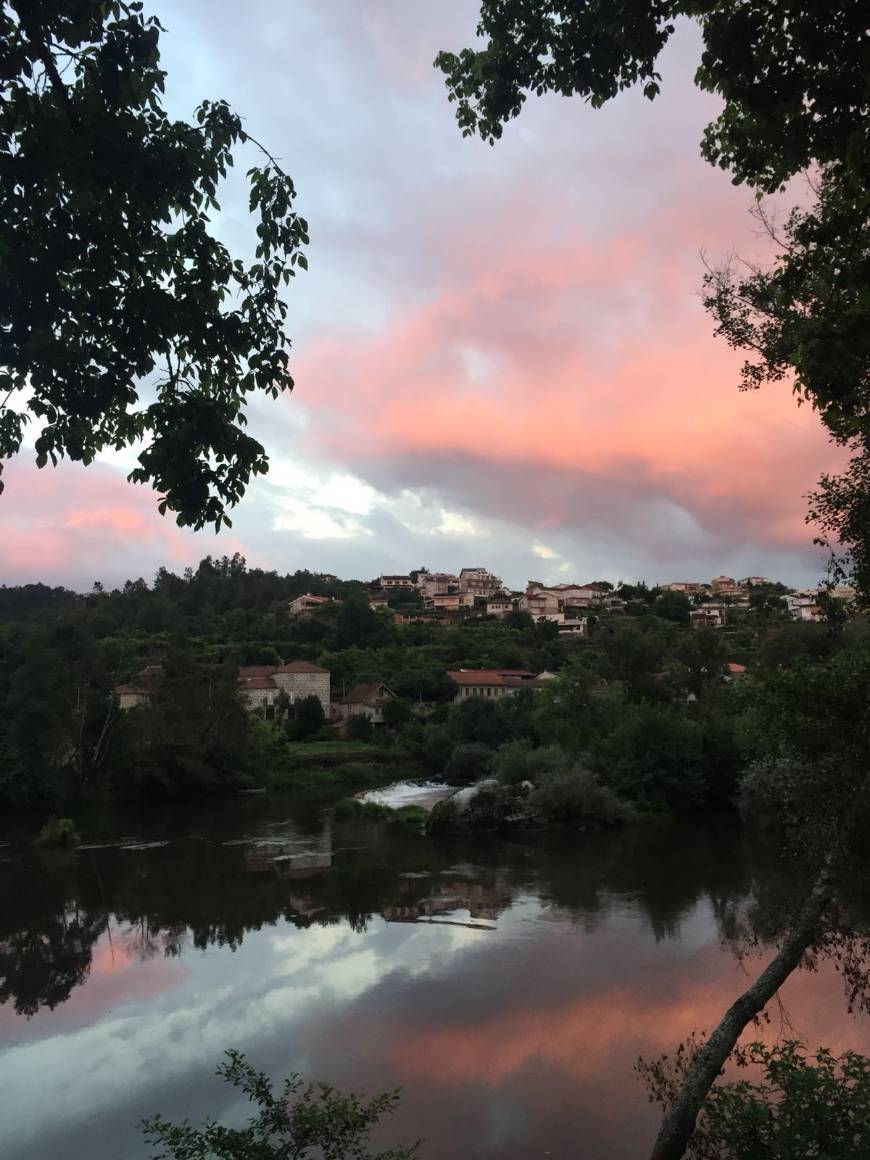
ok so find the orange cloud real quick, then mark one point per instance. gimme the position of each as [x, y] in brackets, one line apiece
[579, 1037]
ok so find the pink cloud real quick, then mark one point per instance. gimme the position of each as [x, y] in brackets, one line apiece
[74, 524]
[592, 359]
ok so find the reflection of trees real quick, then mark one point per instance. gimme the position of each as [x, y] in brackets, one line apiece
[40, 968]
[208, 893]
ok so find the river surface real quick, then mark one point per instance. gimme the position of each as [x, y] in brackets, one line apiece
[507, 986]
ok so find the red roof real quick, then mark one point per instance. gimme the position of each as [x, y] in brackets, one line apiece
[497, 677]
[734, 667]
[129, 691]
[248, 672]
[258, 683]
[367, 695]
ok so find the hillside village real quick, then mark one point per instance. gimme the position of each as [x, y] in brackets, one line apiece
[474, 593]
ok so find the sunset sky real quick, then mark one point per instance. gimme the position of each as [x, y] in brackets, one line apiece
[500, 353]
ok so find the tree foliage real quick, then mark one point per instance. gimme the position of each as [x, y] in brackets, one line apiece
[801, 1104]
[123, 319]
[792, 73]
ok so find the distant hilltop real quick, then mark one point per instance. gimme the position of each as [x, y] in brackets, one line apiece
[476, 591]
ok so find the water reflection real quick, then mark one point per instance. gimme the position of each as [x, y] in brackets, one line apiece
[509, 987]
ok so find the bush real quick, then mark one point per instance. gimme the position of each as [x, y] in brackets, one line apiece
[397, 712]
[797, 1103]
[303, 1121]
[58, 833]
[307, 720]
[469, 762]
[359, 728]
[516, 761]
[576, 796]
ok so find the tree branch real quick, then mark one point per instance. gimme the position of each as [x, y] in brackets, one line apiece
[679, 1123]
[44, 52]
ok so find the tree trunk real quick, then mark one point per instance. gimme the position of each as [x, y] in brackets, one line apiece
[679, 1123]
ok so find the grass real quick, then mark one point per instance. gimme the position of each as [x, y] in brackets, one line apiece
[341, 776]
[313, 749]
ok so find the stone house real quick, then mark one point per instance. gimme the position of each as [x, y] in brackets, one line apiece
[366, 701]
[261, 685]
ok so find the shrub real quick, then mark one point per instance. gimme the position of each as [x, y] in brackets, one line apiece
[469, 762]
[58, 833]
[516, 761]
[397, 712]
[576, 796]
[359, 728]
[307, 720]
[797, 1103]
[302, 1121]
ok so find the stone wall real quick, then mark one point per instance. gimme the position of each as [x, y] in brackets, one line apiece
[299, 685]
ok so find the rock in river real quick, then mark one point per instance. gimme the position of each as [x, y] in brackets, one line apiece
[486, 805]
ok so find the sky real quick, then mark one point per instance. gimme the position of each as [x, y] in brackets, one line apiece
[501, 356]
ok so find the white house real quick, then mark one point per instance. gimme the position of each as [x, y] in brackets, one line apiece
[573, 627]
[390, 582]
[499, 605]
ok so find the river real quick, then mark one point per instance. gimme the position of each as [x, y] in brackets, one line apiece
[507, 986]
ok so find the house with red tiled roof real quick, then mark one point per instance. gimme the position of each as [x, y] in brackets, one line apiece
[129, 696]
[261, 686]
[138, 692]
[489, 682]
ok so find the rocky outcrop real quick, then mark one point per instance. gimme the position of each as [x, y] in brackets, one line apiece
[484, 807]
